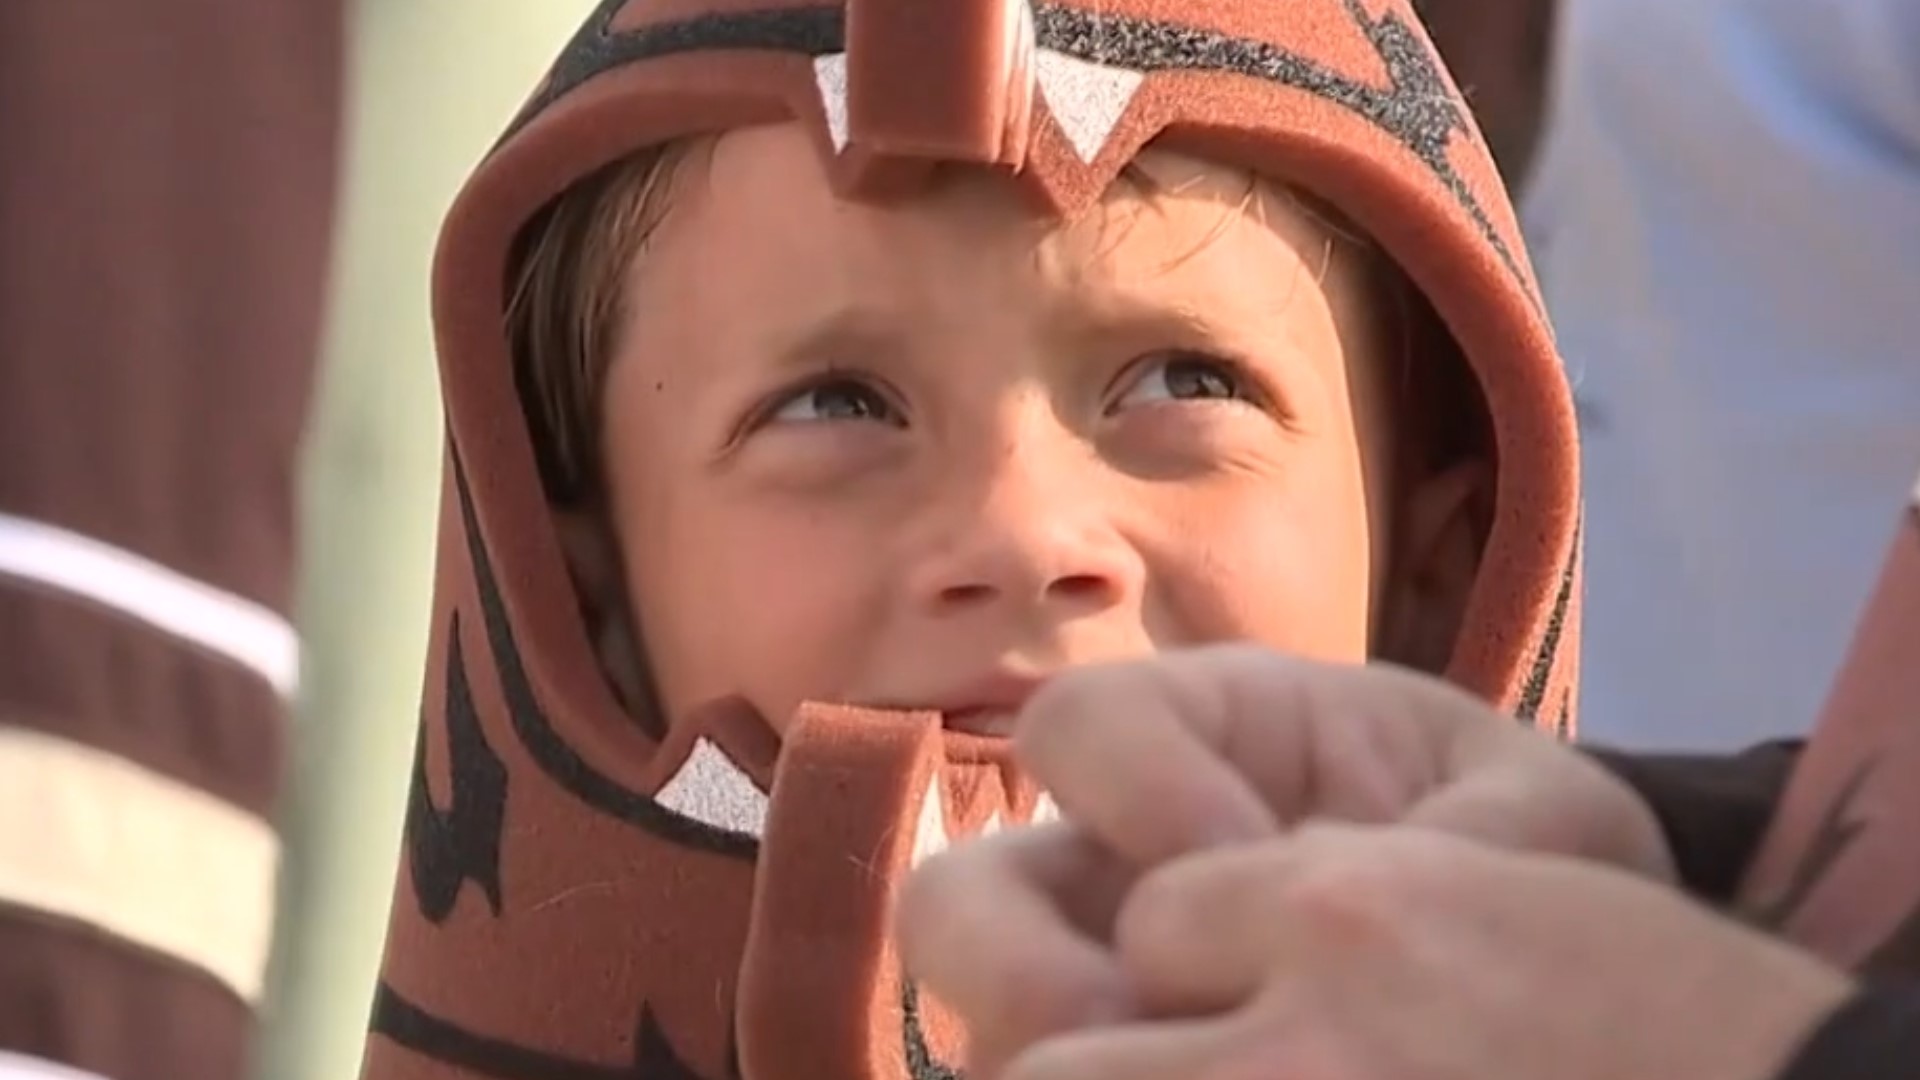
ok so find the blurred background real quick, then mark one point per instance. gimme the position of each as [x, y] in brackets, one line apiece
[433, 83]
[220, 442]
[218, 219]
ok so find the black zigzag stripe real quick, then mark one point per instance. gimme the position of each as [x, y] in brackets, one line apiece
[448, 848]
[552, 753]
[416, 1029]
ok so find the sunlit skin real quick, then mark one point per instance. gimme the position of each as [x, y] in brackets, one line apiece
[924, 455]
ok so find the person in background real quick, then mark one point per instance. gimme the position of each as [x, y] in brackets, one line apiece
[167, 202]
[1722, 199]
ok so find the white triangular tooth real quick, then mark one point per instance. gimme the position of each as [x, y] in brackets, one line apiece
[1085, 98]
[993, 824]
[1020, 35]
[1045, 810]
[710, 789]
[930, 828]
[830, 77]
[1019, 45]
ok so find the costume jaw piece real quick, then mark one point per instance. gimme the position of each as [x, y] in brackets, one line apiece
[980, 796]
[582, 898]
[860, 799]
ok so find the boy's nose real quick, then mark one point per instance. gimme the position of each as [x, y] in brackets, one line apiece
[1045, 548]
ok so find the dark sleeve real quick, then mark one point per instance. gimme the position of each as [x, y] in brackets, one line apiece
[1874, 1036]
[1713, 809]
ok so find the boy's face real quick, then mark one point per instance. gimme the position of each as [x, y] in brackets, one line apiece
[923, 455]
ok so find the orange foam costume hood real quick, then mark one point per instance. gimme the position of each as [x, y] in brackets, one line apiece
[581, 901]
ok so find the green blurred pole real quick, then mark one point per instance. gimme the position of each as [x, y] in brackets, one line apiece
[433, 83]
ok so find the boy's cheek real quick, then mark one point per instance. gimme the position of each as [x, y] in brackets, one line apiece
[1318, 609]
[778, 628]
[1290, 567]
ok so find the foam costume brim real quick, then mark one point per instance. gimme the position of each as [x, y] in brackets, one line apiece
[581, 900]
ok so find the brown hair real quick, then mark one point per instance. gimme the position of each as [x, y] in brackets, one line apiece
[567, 305]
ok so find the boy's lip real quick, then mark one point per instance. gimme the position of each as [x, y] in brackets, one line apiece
[986, 705]
[991, 722]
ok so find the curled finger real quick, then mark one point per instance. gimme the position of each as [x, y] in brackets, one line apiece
[1230, 1047]
[1125, 750]
[1211, 931]
[1010, 932]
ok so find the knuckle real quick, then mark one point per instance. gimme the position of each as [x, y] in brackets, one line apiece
[1349, 898]
[1154, 917]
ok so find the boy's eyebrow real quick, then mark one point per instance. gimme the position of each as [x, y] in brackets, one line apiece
[851, 335]
[839, 339]
[1116, 312]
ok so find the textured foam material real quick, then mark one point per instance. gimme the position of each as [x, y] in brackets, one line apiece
[581, 900]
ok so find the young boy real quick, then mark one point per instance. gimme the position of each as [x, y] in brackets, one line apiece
[820, 379]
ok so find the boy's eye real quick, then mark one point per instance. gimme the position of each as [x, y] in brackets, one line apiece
[1185, 377]
[836, 401]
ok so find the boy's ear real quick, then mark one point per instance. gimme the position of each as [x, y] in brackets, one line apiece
[600, 587]
[1442, 530]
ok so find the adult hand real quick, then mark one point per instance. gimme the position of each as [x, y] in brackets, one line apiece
[1389, 953]
[1158, 759]
[1185, 750]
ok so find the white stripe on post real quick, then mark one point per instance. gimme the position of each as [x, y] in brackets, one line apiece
[21, 1067]
[93, 838]
[249, 634]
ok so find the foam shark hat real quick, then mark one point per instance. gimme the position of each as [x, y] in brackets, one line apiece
[1836, 871]
[579, 900]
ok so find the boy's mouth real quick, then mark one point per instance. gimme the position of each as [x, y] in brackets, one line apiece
[986, 720]
[988, 705]
[709, 789]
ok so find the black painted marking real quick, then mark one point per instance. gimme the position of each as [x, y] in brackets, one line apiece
[1832, 836]
[418, 1030]
[448, 848]
[535, 729]
[921, 1062]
